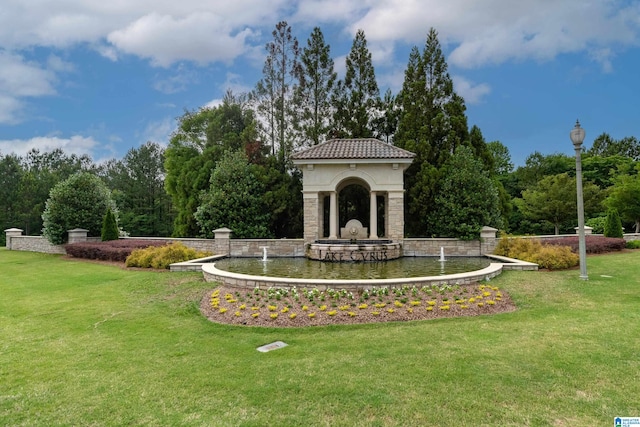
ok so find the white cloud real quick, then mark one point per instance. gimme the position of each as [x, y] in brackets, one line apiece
[159, 131]
[200, 37]
[177, 82]
[20, 79]
[472, 93]
[74, 145]
[495, 31]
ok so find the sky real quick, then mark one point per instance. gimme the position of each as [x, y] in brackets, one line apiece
[102, 77]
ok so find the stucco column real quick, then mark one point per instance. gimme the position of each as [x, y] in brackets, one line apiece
[373, 216]
[333, 215]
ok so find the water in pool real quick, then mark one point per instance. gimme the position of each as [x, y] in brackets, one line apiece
[304, 268]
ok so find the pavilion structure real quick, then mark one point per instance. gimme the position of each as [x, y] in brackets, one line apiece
[370, 163]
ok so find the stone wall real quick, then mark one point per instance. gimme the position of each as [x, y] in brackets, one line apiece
[34, 244]
[431, 247]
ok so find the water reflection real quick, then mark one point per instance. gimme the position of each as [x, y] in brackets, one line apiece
[307, 269]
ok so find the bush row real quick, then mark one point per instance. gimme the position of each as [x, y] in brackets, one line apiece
[633, 244]
[112, 250]
[163, 256]
[594, 244]
[532, 250]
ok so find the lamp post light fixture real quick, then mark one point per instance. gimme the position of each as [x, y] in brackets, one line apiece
[577, 137]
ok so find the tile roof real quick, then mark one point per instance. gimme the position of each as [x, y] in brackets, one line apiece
[361, 148]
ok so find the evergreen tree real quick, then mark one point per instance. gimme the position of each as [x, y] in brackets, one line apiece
[358, 99]
[109, 227]
[432, 125]
[273, 95]
[462, 214]
[613, 224]
[624, 196]
[314, 90]
[386, 122]
[234, 200]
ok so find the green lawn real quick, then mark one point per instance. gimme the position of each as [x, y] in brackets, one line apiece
[86, 344]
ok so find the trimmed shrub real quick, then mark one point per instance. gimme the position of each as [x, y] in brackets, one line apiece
[633, 244]
[532, 250]
[163, 256]
[594, 244]
[112, 250]
[555, 257]
[109, 227]
[613, 224]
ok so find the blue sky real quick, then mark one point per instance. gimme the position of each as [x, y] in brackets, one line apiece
[100, 77]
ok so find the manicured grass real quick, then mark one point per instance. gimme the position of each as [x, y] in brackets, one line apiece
[86, 344]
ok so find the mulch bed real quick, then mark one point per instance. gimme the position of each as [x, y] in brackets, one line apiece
[472, 301]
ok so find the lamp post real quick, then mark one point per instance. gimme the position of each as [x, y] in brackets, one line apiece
[577, 137]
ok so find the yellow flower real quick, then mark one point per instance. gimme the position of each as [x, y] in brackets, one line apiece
[486, 294]
[375, 313]
[430, 308]
[284, 310]
[444, 307]
[380, 304]
[409, 310]
[255, 314]
[292, 316]
[397, 303]
[274, 315]
[323, 307]
[311, 315]
[272, 308]
[305, 308]
[431, 303]
[490, 302]
[472, 300]
[254, 308]
[332, 313]
[415, 303]
[362, 306]
[223, 310]
[351, 314]
[390, 310]
[480, 304]
[464, 306]
[344, 307]
[243, 306]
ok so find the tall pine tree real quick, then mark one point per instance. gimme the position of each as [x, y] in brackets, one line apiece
[432, 125]
[273, 94]
[357, 97]
[314, 90]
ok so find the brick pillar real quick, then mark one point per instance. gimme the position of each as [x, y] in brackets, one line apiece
[222, 241]
[9, 233]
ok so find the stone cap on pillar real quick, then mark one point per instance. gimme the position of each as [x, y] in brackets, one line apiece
[587, 229]
[77, 235]
[11, 232]
[222, 233]
[487, 232]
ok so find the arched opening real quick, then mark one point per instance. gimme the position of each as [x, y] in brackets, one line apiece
[353, 203]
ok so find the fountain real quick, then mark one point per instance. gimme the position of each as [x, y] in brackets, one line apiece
[264, 253]
[442, 254]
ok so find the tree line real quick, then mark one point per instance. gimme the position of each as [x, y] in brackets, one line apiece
[229, 165]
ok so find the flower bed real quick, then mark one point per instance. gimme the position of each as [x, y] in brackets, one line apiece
[292, 307]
